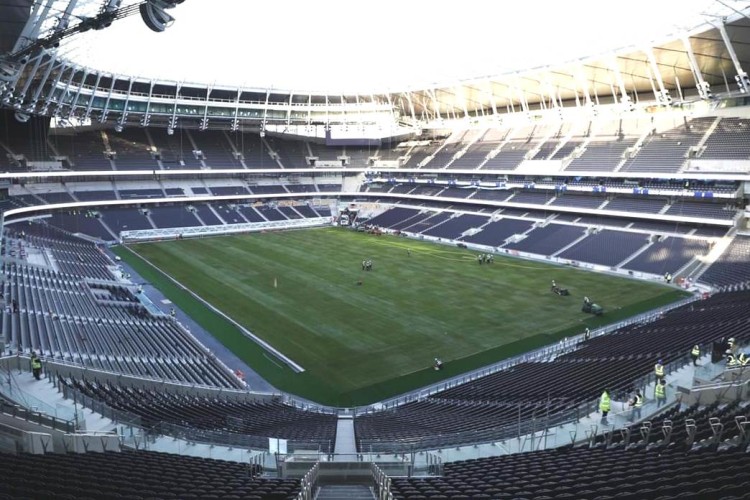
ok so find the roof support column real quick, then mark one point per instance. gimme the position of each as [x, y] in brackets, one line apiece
[236, 119]
[615, 67]
[173, 119]
[53, 88]
[411, 107]
[435, 104]
[491, 96]
[462, 97]
[743, 81]
[580, 78]
[105, 110]
[52, 64]
[32, 76]
[662, 96]
[31, 31]
[90, 105]
[125, 111]
[64, 20]
[204, 120]
[265, 114]
[704, 88]
[309, 112]
[146, 118]
[288, 111]
[74, 101]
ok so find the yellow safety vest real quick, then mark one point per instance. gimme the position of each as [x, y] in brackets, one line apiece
[659, 370]
[659, 391]
[36, 363]
[638, 401]
[604, 402]
[696, 351]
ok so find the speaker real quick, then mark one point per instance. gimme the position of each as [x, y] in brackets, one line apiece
[155, 16]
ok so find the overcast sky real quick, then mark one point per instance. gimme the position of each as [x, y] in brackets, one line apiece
[340, 45]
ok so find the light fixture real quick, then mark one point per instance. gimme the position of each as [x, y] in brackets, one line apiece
[118, 127]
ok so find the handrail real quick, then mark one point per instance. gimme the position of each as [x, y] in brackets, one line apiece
[217, 437]
[382, 483]
[17, 411]
[309, 482]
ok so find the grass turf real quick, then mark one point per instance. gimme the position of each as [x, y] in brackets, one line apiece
[299, 291]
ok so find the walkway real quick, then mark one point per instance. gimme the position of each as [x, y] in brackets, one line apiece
[346, 445]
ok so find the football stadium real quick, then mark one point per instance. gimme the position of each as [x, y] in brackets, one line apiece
[319, 251]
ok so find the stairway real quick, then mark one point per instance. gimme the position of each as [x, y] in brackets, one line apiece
[338, 492]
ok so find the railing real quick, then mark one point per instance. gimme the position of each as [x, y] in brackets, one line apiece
[235, 440]
[309, 482]
[36, 417]
[521, 427]
[202, 231]
[60, 416]
[382, 483]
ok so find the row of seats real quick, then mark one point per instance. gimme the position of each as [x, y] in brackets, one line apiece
[256, 420]
[583, 473]
[129, 475]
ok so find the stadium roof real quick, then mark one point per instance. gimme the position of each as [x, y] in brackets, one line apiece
[329, 46]
[426, 62]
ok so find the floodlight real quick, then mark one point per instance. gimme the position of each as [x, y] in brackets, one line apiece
[22, 117]
[170, 131]
[154, 14]
[118, 128]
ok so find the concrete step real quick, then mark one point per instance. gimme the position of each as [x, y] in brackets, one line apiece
[340, 492]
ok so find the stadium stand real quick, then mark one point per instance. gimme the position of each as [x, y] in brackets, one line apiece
[122, 219]
[607, 247]
[176, 216]
[132, 150]
[587, 474]
[732, 267]
[256, 421]
[605, 151]
[214, 149]
[150, 475]
[291, 154]
[667, 151]
[455, 227]
[548, 240]
[175, 151]
[729, 141]
[495, 233]
[667, 255]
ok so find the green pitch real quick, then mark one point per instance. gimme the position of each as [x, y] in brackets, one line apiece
[362, 336]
